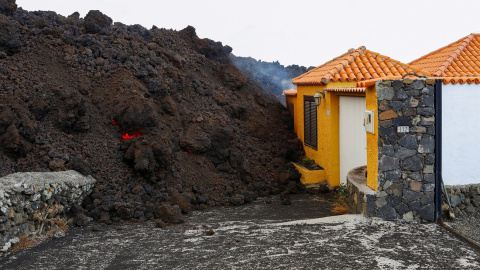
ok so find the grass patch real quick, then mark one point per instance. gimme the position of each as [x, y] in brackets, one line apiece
[340, 206]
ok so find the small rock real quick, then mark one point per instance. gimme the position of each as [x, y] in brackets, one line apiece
[96, 228]
[160, 224]
[210, 232]
[59, 234]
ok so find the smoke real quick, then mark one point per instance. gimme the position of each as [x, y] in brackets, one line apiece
[271, 76]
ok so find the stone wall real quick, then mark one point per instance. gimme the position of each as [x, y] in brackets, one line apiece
[406, 176]
[22, 195]
[464, 198]
[360, 195]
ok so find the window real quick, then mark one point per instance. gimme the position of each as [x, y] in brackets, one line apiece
[310, 122]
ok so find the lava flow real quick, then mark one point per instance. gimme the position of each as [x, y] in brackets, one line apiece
[127, 136]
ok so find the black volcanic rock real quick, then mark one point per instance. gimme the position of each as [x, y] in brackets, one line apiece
[8, 7]
[162, 119]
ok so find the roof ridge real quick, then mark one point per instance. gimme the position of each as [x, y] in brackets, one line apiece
[385, 58]
[324, 64]
[466, 41]
[353, 55]
[413, 62]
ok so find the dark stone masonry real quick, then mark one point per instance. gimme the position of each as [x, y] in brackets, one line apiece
[406, 179]
[465, 199]
[23, 195]
[406, 155]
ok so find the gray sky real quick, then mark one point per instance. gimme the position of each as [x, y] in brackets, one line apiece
[299, 32]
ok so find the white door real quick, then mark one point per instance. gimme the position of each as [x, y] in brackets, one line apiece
[353, 138]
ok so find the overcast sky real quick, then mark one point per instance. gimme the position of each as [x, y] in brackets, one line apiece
[301, 32]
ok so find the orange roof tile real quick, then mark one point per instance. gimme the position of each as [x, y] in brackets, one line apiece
[346, 90]
[458, 62]
[355, 66]
[290, 92]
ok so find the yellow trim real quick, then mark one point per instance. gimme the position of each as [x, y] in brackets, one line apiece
[311, 176]
[372, 140]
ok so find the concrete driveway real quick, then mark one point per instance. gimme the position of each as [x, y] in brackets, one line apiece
[255, 236]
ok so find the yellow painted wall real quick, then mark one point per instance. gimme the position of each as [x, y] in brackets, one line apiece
[310, 176]
[292, 100]
[327, 153]
[372, 140]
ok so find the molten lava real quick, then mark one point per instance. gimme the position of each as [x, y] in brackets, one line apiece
[189, 151]
[113, 122]
[127, 136]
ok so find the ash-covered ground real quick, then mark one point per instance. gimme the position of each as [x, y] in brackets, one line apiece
[161, 118]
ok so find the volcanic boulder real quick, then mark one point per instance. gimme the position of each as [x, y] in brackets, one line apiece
[97, 22]
[8, 7]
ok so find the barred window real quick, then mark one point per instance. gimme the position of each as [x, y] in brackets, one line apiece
[310, 122]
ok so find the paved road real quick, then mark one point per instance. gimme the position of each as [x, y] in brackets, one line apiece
[255, 236]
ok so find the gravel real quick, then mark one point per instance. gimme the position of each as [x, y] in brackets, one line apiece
[466, 224]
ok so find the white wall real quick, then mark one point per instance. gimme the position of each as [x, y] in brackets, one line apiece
[461, 134]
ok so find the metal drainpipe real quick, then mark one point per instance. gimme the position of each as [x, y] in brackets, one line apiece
[438, 149]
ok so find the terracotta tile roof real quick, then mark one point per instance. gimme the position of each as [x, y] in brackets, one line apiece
[458, 62]
[290, 92]
[356, 66]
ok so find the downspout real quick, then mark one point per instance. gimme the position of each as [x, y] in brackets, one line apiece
[438, 149]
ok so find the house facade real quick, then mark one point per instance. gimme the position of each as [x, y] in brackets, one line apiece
[341, 133]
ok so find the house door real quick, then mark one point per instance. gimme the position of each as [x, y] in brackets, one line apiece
[353, 138]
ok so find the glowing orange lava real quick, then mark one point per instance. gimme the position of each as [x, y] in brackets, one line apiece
[113, 121]
[127, 136]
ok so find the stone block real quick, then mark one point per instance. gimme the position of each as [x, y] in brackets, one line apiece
[429, 159]
[385, 93]
[429, 169]
[409, 141]
[410, 196]
[409, 111]
[386, 123]
[386, 115]
[393, 201]
[397, 84]
[397, 105]
[455, 200]
[427, 212]
[430, 82]
[401, 121]
[427, 145]
[402, 208]
[393, 175]
[428, 121]
[402, 153]
[415, 186]
[428, 101]
[397, 189]
[413, 93]
[412, 164]
[388, 150]
[429, 178]
[426, 111]
[414, 205]
[408, 216]
[387, 212]
[401, 95]
[380, 202]
[384, 105]
[388, 163]
[413, 102]
[418, 84]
